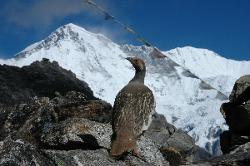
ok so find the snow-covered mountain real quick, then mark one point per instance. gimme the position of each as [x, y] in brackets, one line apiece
[220, 72]
[186, 101]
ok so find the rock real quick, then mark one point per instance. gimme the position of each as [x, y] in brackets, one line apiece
[150, 151]
[79, 157]
[20, 152]
[172, 155]
[225, 142]
[44, 115]
[166, 136]
[41, 126]
[241, 90]
[242, 148]
[179, 148]
[75, 105]
[160, 130]
[88, 135]
[237, 116]
[181, 142]
[91, 158]
[229, 141]
[19, 85]
[24, 121]
[76, 133]
[96, 110]
[235, 142]
[239, 158]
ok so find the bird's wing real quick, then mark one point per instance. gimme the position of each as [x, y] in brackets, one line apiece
[145, 111]
[132, 108]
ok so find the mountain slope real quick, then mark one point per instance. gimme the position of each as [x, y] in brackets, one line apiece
[181, 96]
[220, 72]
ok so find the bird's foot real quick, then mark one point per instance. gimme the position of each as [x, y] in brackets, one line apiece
[136, 153]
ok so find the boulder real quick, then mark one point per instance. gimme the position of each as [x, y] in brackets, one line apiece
[175, 145]
[237, 115]
[75, 133]
[160, 130]
[229, 141]
[91, 158]
[241, 90]
[87, 135]
[74, 104]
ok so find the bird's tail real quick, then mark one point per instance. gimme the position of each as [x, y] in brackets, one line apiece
[122, 142]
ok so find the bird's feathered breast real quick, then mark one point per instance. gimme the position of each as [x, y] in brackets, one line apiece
[133, 107]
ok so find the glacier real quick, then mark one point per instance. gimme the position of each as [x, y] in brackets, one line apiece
[189, 84]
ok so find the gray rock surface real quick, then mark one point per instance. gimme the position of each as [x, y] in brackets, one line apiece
[79, 157]
[160, 130]
[241, 90]
[181, 142]
[19, 152]
[84, 133]
[39, 127]
[242, 148]
[240, 156]
[237, 116]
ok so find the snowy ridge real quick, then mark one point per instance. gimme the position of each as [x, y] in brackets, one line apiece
[2, 61]
[183, 98]
[220, 72]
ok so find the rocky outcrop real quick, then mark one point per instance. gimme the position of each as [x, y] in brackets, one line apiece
[235, 141]
[54, 135]
[237, 115]
[241, 90]
[38, 79]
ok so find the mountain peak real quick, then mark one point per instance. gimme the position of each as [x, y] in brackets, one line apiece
[69, 28]
[70, 33]
[72, 26]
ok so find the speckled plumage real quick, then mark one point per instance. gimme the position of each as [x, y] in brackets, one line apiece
[132, 112]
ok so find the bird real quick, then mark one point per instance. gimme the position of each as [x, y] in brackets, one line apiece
[133, 109]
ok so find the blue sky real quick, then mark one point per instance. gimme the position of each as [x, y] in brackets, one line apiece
[219, 25]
